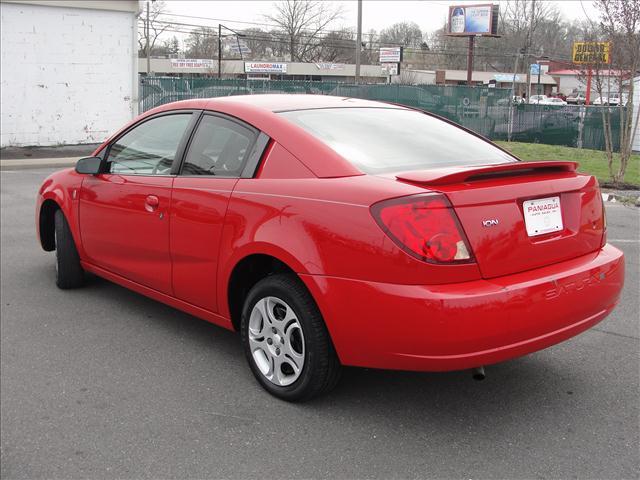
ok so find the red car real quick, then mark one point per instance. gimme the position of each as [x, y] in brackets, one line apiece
[333, 231]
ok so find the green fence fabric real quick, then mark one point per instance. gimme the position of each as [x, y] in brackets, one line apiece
[487, 111]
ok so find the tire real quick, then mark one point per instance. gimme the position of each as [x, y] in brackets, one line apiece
[294, 334]
[69, 273]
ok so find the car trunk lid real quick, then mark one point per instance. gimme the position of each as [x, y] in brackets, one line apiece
[492, 202]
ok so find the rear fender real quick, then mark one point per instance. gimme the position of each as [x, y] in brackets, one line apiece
[239, 253]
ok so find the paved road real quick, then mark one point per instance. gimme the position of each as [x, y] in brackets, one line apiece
[104, 383]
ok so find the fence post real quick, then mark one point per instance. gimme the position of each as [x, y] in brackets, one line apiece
[581, 116]
[510, 125]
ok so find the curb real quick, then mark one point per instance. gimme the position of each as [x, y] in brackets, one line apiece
[625, 197]
[22, 164]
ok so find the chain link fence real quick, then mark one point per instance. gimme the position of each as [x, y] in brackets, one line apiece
[487, 111]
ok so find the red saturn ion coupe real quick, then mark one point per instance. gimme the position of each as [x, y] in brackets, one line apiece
[333, 231]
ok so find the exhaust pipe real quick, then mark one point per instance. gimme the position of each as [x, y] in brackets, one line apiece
[478, 373]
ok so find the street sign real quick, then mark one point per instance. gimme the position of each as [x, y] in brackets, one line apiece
[390, 55]
[591, 53]
[537, 69]
[390, 69]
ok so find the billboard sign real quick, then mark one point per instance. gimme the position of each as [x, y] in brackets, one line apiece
[191, 63]
[265, 67]
[466, 20]
[239, 46]
[591, 52]
[391, 55]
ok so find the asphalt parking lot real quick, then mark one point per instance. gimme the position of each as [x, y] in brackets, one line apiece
[104, 383]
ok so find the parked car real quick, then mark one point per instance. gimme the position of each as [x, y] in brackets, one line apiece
[577, 98]
[616, 98]
[515, 100]
[612, 100]
[332, 231]
[538, 99]
[544, 100]
[555, 101]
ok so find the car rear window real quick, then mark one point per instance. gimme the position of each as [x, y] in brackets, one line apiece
[382, 140]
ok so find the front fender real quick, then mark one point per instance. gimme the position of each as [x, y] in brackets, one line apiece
[61, 188]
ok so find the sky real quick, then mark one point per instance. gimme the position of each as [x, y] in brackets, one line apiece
[376, 14]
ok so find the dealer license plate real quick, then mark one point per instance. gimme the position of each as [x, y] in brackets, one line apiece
[542, 215]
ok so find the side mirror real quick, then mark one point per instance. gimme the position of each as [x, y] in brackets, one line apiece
[89, 165]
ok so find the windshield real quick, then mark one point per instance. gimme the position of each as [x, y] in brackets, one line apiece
[381, 140]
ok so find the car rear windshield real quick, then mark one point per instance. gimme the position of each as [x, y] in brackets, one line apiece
[382, 140]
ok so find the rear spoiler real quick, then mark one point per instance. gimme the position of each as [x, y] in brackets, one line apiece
[445, 176]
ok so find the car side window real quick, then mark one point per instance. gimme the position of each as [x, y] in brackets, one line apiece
[219, 147]
[149, 148]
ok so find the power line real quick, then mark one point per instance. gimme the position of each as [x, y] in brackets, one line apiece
[174, 27]
[267, 37]
[244, 22]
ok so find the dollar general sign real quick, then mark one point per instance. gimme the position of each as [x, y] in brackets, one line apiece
[591, 52]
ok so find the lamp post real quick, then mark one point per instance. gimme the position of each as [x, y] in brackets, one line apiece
[148, 42]
[358, 41]
[238, 35]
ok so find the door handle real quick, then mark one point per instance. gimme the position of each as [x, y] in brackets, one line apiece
[151, 203]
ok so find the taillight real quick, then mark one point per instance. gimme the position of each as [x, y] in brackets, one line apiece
[604, 221]
[425, 226]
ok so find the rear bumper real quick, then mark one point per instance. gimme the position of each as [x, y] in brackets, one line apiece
[458, 326]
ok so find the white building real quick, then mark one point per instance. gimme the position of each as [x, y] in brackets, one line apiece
[69, 70]
[571, 80]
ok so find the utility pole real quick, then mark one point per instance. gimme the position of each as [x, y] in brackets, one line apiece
[470, 60]
[529, 36]
[148, 49]
[538, 87]
[358, 41]
[512, 98]
[219, 51]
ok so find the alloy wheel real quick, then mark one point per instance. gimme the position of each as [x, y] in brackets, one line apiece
[276, 341]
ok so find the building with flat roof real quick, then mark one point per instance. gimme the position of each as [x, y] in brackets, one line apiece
[573, 80]
[69, 70]
[320, 71]
[548, 84]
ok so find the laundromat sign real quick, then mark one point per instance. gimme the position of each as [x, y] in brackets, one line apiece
[265, 67]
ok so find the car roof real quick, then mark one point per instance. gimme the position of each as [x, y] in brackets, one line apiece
[260, 111]
[277, 102]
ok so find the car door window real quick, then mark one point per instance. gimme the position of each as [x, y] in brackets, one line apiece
[149, 148]
[219, 147]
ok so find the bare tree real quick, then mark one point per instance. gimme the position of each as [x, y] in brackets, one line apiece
[155, 27]
[202, 43]
[303, 22]
[407, 34]
[258, 41]
[370, 52]
[620, 22]
[337, 46]
[408, 77]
